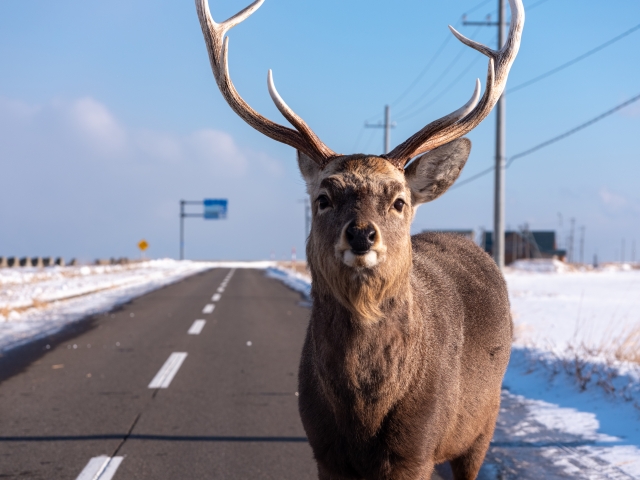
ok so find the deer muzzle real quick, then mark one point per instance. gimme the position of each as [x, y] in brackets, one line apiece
[360, 245]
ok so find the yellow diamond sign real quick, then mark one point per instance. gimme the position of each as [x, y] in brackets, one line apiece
[143, 245]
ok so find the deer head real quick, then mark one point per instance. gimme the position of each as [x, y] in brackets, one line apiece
[359, 249]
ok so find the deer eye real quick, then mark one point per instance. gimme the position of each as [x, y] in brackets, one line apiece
[323, 202]
[398, 205]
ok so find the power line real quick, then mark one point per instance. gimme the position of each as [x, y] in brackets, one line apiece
[424, 70]
[439, 96]
[431, 61]
[532, 6]
[574, 61]
[573, 130]
[435, 56]
[479, 5]
[355, 145]
[463, 50]
[552, 140]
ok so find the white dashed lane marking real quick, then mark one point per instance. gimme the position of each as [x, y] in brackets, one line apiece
[168, 371]
[100, 468]
[220, 289]
[208, 308]
[216, 297]
[197, 327]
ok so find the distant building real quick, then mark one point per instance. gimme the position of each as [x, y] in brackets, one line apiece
[525, 244]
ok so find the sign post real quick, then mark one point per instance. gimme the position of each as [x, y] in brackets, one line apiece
[213, 209]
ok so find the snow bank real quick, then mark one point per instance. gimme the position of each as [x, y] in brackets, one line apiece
[294, 280]
[544, 265]
[35, 302]
[583, 429]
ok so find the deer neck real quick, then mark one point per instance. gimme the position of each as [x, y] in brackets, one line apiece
[364, 365]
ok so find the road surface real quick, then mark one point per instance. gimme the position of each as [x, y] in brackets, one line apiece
[230, 410]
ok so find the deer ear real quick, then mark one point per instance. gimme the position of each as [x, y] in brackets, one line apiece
[308, 168]
[430, 175]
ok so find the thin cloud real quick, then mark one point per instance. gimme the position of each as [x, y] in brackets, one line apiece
[85, 129]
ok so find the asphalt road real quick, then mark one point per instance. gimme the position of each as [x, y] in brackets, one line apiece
[78, 405]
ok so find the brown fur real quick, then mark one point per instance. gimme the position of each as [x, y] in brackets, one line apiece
[403, 360]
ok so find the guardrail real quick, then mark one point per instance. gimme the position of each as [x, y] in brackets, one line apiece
[43, 262]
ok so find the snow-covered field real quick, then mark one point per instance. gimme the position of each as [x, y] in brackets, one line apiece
[575, 364]
[36, 302]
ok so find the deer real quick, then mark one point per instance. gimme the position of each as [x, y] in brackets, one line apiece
[409, 337]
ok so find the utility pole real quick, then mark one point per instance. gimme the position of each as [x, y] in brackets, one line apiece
[570, 251]
[582, 245]
[501, 135]
[307, 216]
[387, 125]
[182, 202]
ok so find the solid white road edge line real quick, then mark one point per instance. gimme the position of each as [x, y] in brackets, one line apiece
[168, 371]
[100, 468]
[197, 327]
[216, 297]
[208, 308]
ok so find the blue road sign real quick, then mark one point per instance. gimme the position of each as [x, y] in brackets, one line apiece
[215, 208]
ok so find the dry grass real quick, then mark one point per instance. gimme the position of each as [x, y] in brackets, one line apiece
[299, 266]
[627, 346]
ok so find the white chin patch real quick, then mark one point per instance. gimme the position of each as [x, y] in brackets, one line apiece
[369, 259]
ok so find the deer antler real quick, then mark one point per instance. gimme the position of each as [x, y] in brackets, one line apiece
[302, 138]
[462, 121]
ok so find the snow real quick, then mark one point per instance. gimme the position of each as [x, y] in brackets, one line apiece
[294, 280]
[591, 310]
[579, 429]
[36, 302]
[570, 370]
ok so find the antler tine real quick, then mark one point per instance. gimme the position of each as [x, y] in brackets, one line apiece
[489, 52]
[449, 128]
[217, 44]
[239, 17]
[297, 122]
[439, 124]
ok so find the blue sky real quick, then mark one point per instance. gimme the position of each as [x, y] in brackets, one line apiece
[109, 115]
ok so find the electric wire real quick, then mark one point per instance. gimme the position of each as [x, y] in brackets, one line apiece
[431, 61]
[463, 50]
[368, 142]
[555, 139]
[534, 5]
[424, 70]
[440, 94]
[435, 56]
[574, 61]
[478, 6]
[355, 144]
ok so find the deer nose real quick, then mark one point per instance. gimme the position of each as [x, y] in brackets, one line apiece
[360, 238]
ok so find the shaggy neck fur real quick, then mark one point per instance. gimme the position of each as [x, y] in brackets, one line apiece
[363, 335]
